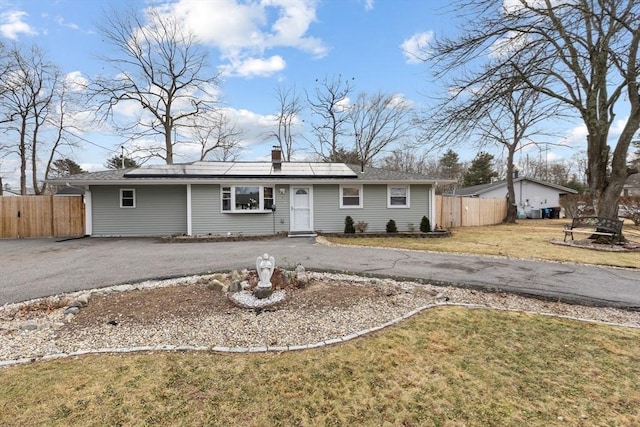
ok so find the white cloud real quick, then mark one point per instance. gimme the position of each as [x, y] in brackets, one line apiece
[252, 67]
[368, 5]
[416, 48]
[12, 24]
[75, 81]
[244, 31]
[60, 21]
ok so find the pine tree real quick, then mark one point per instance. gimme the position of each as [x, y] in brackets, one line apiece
[450, 166]
[425, 225]
[115, 162]
[65, 167]
[481, 170]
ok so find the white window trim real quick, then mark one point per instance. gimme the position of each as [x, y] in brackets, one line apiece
[361, 198]
[233, 209]
[133, 190]
[407, 205]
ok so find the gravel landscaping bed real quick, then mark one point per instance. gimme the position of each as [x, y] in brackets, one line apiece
[196, 313]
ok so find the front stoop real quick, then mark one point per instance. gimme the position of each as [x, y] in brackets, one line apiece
[302, 234]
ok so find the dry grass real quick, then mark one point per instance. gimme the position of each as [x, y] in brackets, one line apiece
[526, 239]
[447, 366]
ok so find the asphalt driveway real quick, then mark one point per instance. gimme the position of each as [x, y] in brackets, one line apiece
[34, 268]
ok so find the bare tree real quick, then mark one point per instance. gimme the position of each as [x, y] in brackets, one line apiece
[289, 109]
[407, 159]
[581, 54]
[329, 104]
[217, 137]
[28, 91]
[514, 121]
[378, 121]
[159, 66]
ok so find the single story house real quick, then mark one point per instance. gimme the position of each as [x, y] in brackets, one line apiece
[534, 198]
[253, 198]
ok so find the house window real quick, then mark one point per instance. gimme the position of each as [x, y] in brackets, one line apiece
[398, 196]
[247, 198]
[268, 197]
[351, 196]
[226, 198]
[127, 198]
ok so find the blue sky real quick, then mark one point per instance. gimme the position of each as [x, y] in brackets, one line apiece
[256, 45]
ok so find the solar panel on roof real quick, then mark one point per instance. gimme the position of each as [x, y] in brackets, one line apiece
[245, 169]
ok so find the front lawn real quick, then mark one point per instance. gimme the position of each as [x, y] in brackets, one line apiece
[446, 366]
[526, 239]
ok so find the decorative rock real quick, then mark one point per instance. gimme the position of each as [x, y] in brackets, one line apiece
[29, 326]
[301, 276]
[83, 299]
[442, 297]
[216, 285]
[235, 275]
[236, 286]
[71, 310]
[76, 304]
[245, 285]
[262, 292]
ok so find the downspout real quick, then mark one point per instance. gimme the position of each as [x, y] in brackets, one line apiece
[88, 213]
[432, 206]
[189, 212]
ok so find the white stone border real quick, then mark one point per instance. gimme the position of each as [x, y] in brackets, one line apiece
[280, 349]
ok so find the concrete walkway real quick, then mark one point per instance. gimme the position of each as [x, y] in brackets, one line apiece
[41, 267]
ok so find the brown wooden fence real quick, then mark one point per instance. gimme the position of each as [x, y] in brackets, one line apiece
[456, 211]
[41, 216]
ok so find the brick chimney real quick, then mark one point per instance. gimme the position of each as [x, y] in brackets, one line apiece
[276, 158]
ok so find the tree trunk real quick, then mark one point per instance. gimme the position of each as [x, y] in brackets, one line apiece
[605, 184]
[167, 142]
[512, 207]
[23, 157]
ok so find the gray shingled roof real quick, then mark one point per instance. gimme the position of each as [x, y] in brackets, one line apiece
[477, 190]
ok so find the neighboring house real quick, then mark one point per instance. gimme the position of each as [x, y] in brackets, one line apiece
[67, 190]
[203, 198]
[535, 199]
[632, 186]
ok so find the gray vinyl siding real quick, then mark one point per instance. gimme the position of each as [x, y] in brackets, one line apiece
[329, 217]
[159, 211]
[208, 218]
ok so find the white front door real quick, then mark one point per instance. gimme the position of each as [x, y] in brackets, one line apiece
[301, 211]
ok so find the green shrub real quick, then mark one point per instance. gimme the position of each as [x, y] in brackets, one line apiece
[425, 225]
[348, 225]
[391, 226]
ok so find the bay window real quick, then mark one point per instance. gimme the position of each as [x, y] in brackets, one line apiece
[247, 198]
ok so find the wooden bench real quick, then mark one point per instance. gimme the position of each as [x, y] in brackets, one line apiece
[596, 225]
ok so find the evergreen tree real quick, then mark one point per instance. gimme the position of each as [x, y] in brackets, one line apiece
[64, 167]
[481, 170]
[349, 228]
[115, 162]
[450, 166]
[425, 225]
